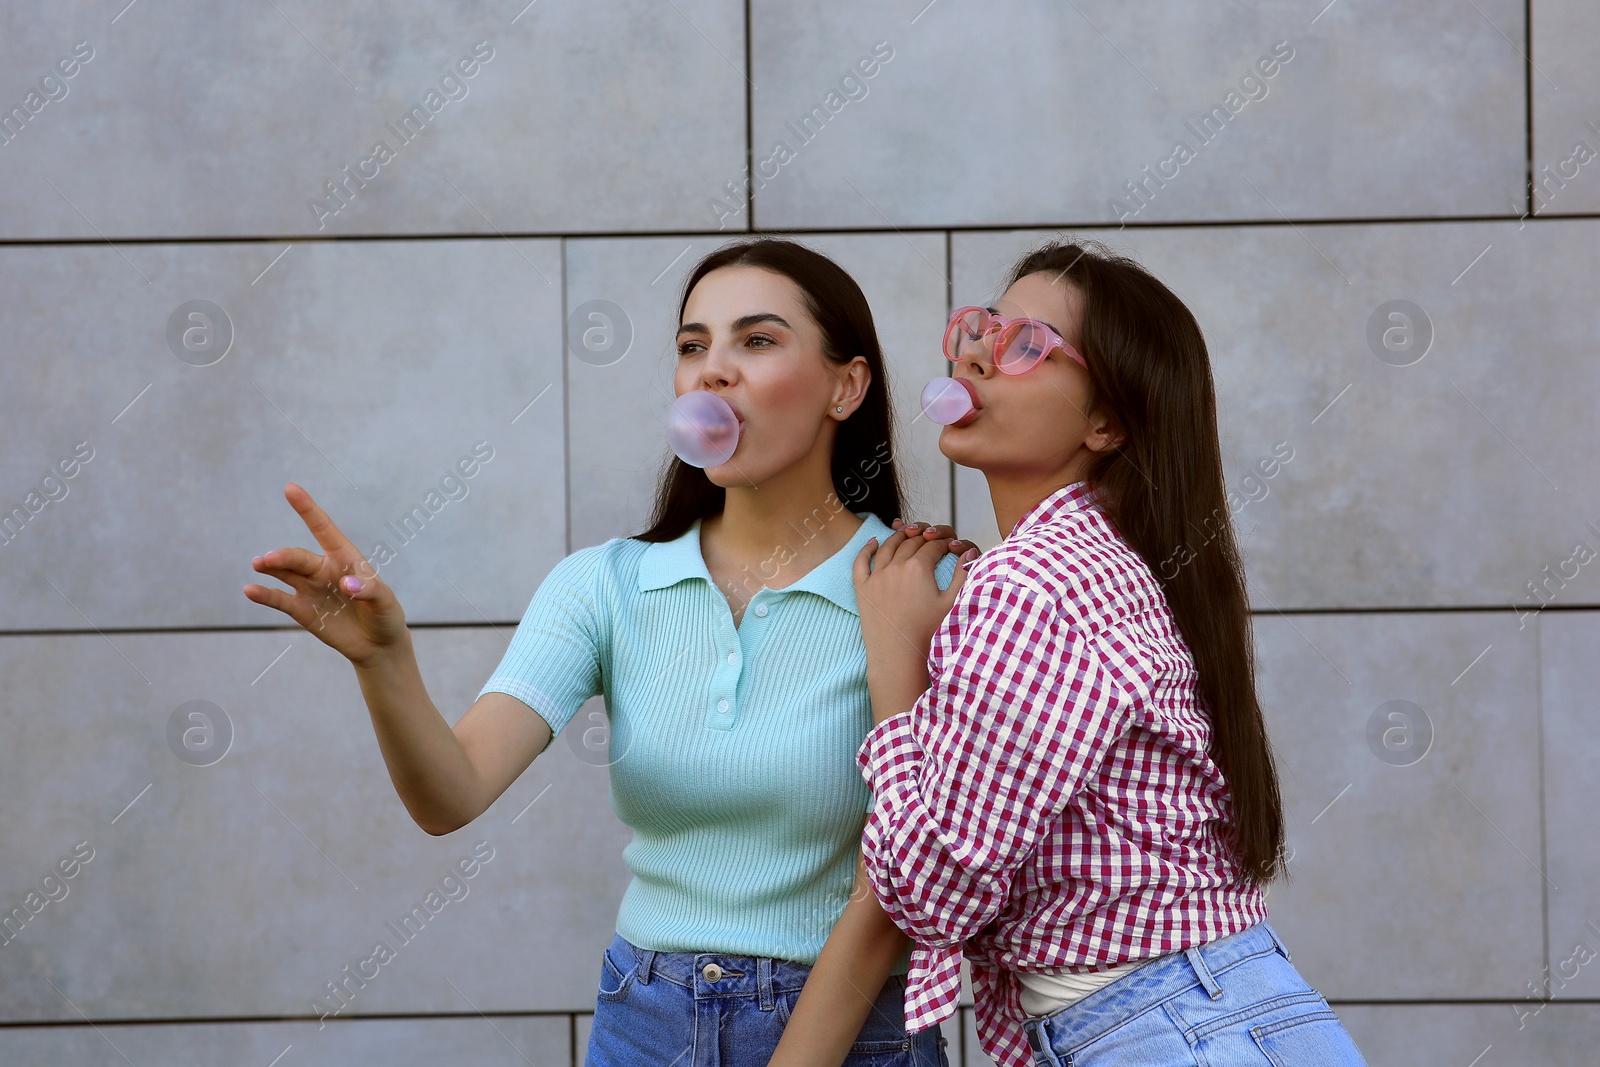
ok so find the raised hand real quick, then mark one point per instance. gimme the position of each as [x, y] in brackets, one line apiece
[338, 597]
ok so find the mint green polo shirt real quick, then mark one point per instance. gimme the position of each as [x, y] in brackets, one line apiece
[733, 749]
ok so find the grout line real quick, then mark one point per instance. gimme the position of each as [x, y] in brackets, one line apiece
[249, 1020]
[1544, 852]
[949, 306]
[978, 228]
[1462, 609]
[1527, 93]
[566, 407]
[749, 131]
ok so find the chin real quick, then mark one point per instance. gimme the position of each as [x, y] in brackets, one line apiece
[737, 473]
[958, 448]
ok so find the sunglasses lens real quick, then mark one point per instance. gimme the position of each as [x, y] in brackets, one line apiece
[963, 330]
[1024, 346]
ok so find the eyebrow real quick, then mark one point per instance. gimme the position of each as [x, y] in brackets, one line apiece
[996, 311]
[743, 322]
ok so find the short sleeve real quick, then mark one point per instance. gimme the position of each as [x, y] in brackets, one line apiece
[553, 663]
[945, 570]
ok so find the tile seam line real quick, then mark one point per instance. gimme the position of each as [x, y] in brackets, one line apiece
[257, 1020]
[479, 624]
[930, 228]
[561, 1013]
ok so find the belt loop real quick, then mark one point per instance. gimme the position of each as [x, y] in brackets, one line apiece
[1044, 1053]
[764, 982]
[1276, 940]
[1202, 972]
[647, 962]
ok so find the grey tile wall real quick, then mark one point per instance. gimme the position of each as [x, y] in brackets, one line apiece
[242, 888]
[1426, 544]
[1570, 693]
[488, 1040]
[1441, 1035]
[226, 121]
[930, 115]
[363, 371]
[1410, 772]
[1566, 107]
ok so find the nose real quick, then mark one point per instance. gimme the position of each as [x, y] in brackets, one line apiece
[978, 353]
[717, 368]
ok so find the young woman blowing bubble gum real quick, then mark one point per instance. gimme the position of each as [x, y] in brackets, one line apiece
[743, 705]
[1075, 785]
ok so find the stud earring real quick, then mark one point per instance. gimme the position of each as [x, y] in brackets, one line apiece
[838, 409]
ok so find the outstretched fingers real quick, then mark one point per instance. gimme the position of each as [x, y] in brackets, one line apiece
[299, 561]
[297, 609]
[329, 536]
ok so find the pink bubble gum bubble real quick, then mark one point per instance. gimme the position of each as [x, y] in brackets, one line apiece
[945, 400]
[702, 429]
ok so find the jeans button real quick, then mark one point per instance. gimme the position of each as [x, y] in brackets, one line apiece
[711, 972]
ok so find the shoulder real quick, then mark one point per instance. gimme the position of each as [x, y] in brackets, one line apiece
[944, 571]
[594, 573]
[585, 564]
[1080, 564]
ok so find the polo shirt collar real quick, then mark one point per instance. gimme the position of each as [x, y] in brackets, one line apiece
[668, 562]
[1068, 498]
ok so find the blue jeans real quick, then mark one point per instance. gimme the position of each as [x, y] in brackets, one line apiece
[711, 1009]
[1237, 1000]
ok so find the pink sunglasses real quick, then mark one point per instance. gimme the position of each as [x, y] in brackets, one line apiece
[1022, 343]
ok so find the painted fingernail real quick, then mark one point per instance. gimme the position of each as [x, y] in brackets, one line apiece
[352, 584]
[970, 555]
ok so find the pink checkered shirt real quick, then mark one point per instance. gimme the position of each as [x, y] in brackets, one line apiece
[1048, 803]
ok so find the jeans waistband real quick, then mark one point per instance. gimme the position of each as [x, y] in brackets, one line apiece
[721, 974]
[1159, 980]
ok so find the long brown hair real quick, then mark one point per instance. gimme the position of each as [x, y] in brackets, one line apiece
[863, 469]
[1162, 488]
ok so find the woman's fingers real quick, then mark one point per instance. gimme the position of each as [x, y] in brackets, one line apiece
[317, 521]
[934, 549]
[282, 601]
[932, 532]
[911, 538]
[860, 569]
[299, 560]
[290, 576]
[890, 545]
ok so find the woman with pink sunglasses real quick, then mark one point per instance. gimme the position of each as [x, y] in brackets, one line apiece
[1074, 787]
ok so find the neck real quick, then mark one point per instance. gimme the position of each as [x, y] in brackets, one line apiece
[1015, 493]
[787, 525]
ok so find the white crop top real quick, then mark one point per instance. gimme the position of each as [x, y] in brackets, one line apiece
[1046, 993]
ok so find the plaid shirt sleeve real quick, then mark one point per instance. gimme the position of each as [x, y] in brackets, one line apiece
[1021, 705]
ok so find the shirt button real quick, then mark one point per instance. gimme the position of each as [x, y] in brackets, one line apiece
[761, 611]
[712, 972]
[733, 657]
[722, 705]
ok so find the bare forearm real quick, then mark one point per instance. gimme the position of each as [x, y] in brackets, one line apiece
[839, 992]
[426, 762]
[894, 683]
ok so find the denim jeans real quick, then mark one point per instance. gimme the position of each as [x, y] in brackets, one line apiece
[1237, 1000]
[711, 1009]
